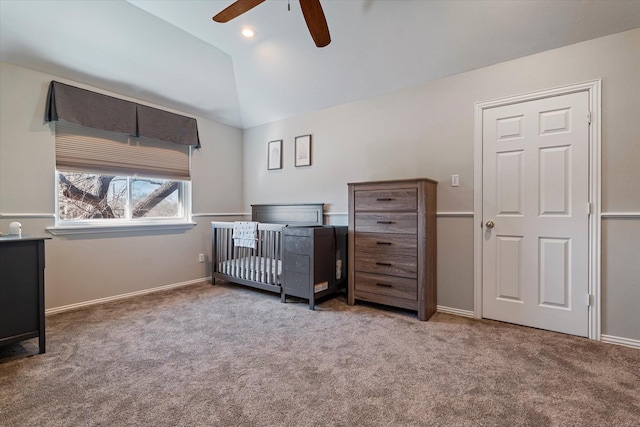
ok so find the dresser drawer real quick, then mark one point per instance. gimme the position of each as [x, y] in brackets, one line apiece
[390, 265]
[387, 244]
[396, 287]
[383, 222]
[399, 199]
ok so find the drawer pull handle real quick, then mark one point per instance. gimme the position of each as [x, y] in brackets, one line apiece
[384, 199]
[385, 264]
[383, 243]
[383, 285]
[384, 222]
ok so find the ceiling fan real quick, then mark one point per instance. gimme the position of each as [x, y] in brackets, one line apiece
[311, 9]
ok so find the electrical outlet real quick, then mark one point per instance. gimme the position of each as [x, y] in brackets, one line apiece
[455, 180]
[201, 258]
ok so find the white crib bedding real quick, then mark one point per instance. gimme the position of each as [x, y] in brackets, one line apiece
[251, 268]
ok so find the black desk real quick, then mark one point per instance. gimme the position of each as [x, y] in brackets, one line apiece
[22, 289]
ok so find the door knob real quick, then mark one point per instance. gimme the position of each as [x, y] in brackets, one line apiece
[490, 224]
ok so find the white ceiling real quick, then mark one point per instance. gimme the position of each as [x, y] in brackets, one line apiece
[171, 53]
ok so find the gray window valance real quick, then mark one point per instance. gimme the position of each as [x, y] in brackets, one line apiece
[98, 111]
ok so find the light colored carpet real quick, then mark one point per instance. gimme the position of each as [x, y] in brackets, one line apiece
[226, 355]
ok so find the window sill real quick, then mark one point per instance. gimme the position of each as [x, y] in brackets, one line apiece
[120, 228]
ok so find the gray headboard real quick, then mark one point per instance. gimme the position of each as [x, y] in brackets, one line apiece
[291, 214]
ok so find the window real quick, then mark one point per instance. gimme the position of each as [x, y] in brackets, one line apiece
[108, 180]
[92, 197]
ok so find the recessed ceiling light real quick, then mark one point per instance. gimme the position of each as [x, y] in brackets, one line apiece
[248, 32]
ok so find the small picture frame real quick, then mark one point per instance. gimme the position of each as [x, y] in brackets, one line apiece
[303, 150]
[274, 155]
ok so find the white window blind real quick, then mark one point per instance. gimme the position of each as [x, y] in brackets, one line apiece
[83, 149]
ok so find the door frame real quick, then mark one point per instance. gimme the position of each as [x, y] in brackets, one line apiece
[593, 87]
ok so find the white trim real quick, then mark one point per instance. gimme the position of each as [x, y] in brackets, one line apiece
[463, 214]
[27, 215]
[78, 305]
[477, 209]
[595, 223]
[126, 228]
[454, 214]
[627, 342]
[216, 214]
[620, 215]
[593, 87]
[455, 311]
[439, 214]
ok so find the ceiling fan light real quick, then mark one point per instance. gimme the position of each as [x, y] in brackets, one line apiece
[248, 32]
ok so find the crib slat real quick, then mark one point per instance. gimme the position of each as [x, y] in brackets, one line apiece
[274, 260]
[267, 262]
[265, 255]
[223, 249]
[218, 255]
[225, 252]
[271, 255]
[259, 256]
[253, 257]
[243, 263]
[259, 264]
[229, 252]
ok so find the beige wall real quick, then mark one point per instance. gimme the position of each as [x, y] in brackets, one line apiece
[427, 131]
[95, 266]
[421, 131]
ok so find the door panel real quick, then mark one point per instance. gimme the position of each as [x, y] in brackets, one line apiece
[535, 190]
[509, 260]
[555, 181]
[509, 182]
[555, 256]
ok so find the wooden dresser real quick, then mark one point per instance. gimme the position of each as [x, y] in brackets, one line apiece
[392, 244]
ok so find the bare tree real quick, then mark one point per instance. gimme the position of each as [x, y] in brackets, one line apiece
[87, 196]
[101, 208]
[145, 205]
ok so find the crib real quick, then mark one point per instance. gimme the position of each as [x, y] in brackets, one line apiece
[268, 265]
[260, 268]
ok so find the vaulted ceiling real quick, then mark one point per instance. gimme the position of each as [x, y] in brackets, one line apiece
[171, 53]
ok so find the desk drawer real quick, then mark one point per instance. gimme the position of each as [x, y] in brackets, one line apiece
[387, 222]
[400, 199]
[386, 285]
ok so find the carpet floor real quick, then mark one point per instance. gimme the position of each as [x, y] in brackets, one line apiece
[226, 355]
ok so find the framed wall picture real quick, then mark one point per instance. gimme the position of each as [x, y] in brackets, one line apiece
[274, 155]
[303, 150]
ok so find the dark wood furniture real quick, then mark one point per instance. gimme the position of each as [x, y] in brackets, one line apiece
[392, 244]
[265, 267]
[314, 262]
[296, 214]
[22, 289]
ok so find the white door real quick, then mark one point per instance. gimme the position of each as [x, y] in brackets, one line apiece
[535, 196]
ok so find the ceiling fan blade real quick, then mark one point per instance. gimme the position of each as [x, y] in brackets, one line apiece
[316, 22]
[236, 9]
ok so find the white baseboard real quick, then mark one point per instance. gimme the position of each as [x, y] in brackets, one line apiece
[26, 215]
[455, 311]
[77, 305]
[610, 339]
[627, 342]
